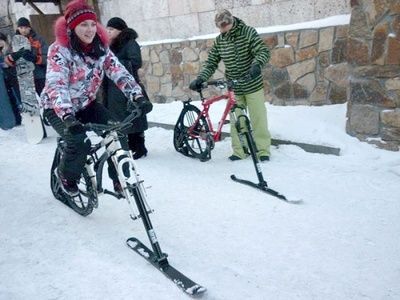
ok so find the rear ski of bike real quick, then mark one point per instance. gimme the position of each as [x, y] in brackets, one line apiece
[86, 200]
[192, 136]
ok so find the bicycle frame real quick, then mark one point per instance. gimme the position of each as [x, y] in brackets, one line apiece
[94, 166]
[207, 102]
[194, 133]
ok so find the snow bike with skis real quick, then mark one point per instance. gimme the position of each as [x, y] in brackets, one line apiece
[90, 188]
[194, 134]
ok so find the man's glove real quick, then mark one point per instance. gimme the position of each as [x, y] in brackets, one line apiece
[17, 55]
[73, 125]
[29, 56]
[255, 71]
[195, 85]
[142, 103]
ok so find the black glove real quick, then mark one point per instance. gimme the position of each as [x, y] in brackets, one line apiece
[29, 56]
[195, 85]
[142, 103]
[17, 55]
[255, 71]
[73, 125]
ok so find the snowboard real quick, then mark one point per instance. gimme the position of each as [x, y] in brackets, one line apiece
[7, 118]
[31, 119]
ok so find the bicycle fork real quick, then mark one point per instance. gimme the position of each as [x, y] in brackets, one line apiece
[247, 133]
[136, 190]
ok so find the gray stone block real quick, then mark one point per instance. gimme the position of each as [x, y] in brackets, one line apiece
[364, 119]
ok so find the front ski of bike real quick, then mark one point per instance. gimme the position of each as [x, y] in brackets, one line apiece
[155, 257]
[161, 263]
[244, 129]
[264, 187]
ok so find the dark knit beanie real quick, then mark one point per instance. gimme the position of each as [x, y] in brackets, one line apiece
[23, 22]
[117, 23]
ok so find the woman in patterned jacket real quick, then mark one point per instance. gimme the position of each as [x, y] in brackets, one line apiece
[76, 64]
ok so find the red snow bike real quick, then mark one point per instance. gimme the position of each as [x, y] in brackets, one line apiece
[194, 134]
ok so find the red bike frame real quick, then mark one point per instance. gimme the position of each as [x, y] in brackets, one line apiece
[206, 103]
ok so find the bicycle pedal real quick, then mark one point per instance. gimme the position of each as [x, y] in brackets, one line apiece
[226, 122]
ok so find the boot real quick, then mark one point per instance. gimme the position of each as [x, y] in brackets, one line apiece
[70, 187]
[136, 145]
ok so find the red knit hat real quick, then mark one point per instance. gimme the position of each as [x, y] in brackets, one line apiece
[78, 11]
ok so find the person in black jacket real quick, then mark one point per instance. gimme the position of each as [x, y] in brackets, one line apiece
[10, 78]
[123, 44]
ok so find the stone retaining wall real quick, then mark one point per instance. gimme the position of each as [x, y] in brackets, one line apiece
[306, 67]
[374, 61]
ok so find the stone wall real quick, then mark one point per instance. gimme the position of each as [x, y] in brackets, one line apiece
[306, 67]
[165, 19]
[374, 61]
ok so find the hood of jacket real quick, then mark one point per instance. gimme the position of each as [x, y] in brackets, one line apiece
[237, 26]
[122, 39]
[61, 33]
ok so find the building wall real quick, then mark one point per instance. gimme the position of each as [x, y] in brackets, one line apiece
[169, 19]
[166, 19]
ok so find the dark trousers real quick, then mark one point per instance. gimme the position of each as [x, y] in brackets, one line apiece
[77, 145]
[14, 96]
[39, 85]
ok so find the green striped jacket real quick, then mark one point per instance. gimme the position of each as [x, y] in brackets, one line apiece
[238, 48]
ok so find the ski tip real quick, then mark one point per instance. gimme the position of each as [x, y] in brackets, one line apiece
[196, 291]
[295, 201]
[233, 177]
[132, 242]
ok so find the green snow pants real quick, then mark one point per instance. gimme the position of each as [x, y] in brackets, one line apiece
[257, 112]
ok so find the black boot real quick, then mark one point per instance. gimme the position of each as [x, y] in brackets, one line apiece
[136, 145]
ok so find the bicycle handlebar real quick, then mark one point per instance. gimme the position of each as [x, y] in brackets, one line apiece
[102, 129]
[225, 83]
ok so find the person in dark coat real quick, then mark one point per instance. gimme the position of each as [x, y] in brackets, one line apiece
[127, 50]
[10, 78]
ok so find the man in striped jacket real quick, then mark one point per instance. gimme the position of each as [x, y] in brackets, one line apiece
[243, 53]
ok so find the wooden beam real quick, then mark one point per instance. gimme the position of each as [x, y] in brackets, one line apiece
[33, 6]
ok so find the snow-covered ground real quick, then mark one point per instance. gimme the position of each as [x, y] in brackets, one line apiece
[342, 243]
